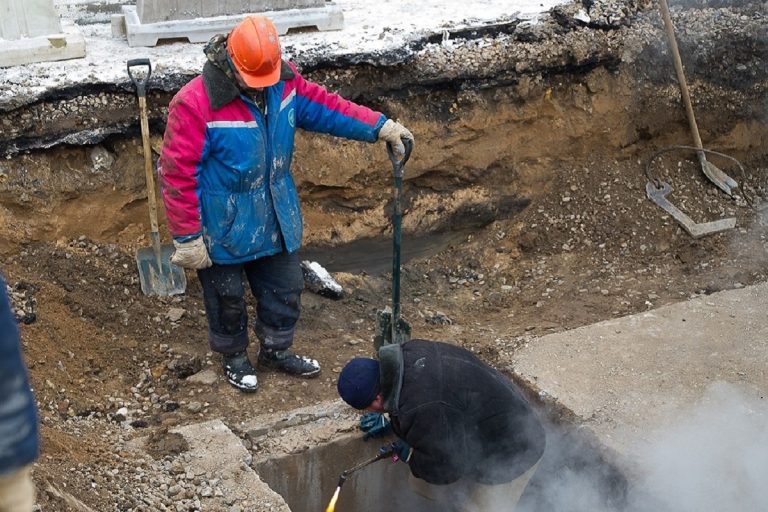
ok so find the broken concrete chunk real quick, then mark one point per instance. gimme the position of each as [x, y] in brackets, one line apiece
[206, 377]
[319, 281]
[175, 314]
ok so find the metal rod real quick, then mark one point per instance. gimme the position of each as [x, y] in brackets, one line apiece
[345, 474]
[397, 222]
[398, 170]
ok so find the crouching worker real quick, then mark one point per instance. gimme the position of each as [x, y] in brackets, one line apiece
[471, 440]
[18, 418]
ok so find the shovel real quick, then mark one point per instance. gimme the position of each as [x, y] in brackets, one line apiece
[157, 274]
[390, 328]
[715, 175]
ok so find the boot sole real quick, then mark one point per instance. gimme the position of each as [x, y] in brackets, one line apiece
[276, 368]
[245, 389]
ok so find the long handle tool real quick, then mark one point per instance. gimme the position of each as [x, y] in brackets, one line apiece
[715, 175]
[158, 276]
[390, 327]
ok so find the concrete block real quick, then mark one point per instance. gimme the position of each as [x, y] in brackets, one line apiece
[68, 44]
[28, 18]
[89, 12]
[119, 30]
[200, 30]
[154, 11]
[229, 7]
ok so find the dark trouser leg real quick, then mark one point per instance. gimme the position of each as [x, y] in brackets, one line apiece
[223, 294]
[276, 282]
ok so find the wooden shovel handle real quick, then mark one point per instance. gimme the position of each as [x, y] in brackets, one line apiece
[148, 171]
[680, 74]
[141, 92]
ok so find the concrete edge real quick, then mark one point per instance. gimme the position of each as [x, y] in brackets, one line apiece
[559, 415]
[69, 44]
[214, 451]
[200, 30]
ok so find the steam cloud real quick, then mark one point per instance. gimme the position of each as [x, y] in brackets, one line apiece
[715, 458]
[712, 457]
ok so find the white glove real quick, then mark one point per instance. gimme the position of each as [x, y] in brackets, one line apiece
[192, 254]
[394, 133]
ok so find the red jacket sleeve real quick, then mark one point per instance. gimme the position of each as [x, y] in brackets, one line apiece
[183, 146]
[322, 111]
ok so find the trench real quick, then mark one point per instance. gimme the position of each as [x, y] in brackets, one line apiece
[528, 170]
[373, 255]
[573, 459]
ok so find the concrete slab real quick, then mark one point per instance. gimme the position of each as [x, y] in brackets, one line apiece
[89, 12]
[68, 44]
[300, 429]
[629, 376]
[200, 30]
[153, 11]
[27, 18]
[216, 453]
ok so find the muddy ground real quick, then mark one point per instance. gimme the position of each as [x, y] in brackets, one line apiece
[526, 214]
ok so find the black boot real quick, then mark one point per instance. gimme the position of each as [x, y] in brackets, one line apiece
[288, 362]
[239, 371]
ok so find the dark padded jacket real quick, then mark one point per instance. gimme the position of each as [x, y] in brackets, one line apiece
[18, 412]
[462, 418]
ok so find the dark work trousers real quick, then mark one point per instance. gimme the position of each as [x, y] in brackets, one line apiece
[276, 282]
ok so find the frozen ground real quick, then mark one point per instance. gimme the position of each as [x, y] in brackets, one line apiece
[534, 161]
[370, 28]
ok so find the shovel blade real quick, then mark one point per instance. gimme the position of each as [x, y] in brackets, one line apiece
[157, 274]
[385, 334]
[718, 177]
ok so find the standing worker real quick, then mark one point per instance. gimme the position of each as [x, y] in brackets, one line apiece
[229, 195]
[471, 440]
[18, 417]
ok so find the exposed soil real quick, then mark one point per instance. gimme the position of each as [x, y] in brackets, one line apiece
[526, 214]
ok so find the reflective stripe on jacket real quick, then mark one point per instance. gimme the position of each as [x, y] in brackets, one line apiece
[225, 168]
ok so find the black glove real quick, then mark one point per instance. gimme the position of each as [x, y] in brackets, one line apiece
[400, 450]
[374, 424]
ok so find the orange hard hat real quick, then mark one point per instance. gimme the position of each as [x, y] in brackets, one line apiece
[254, 49]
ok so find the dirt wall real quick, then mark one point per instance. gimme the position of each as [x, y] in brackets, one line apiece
[491, 111]
[531, 147]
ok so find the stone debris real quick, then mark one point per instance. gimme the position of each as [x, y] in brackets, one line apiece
[206, 377]
[23, 301]
[579, 222]
[319, 281]
[175, 314]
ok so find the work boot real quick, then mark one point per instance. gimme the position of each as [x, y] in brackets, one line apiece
[240, 373]
[288, 362]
